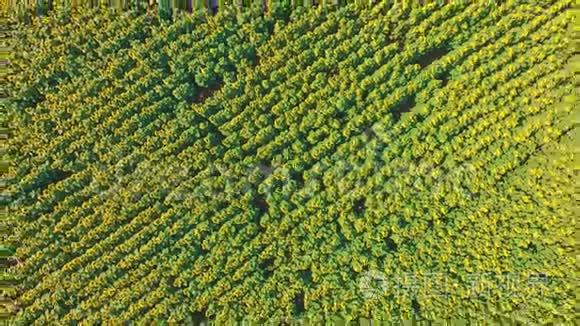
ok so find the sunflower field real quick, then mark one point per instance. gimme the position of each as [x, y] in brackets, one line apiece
[304, 164]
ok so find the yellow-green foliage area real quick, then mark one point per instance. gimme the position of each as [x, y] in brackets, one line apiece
[392, 162]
